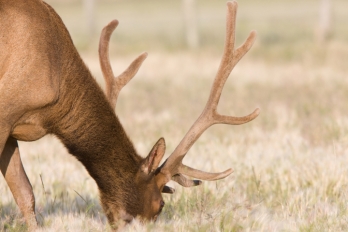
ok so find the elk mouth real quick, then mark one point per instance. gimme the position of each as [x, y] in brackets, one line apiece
[159, 211]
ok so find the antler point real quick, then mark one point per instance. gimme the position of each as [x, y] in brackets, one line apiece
[145, 54]
[257, 111]
[113, 23]
[232, 4]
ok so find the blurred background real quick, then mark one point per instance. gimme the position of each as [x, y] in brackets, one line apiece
[287, 29]
[298, 62]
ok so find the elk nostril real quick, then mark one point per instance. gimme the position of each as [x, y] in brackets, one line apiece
[162, 203]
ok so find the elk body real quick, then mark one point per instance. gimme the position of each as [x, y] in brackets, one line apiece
[45, 88]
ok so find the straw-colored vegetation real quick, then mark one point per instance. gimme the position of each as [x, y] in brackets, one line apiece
[290, 164]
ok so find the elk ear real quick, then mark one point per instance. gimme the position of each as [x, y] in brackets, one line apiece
[152, 161]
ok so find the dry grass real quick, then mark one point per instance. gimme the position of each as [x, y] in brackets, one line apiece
[290, 164]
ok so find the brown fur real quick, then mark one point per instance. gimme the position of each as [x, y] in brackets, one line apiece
[46, 88]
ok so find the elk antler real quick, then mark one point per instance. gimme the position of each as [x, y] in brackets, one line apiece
[115, 84]
[173, 168]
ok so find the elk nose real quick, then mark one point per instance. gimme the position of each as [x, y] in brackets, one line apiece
[162, 203]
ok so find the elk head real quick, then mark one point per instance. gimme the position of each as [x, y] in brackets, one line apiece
[142, 196]
[151, 179]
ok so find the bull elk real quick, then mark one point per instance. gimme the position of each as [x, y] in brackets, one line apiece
[47, 89]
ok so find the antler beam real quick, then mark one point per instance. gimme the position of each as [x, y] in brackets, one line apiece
[173, 165]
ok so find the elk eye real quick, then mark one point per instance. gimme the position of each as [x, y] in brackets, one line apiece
[162, 203]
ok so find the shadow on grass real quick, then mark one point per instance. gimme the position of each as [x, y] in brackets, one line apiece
[11, 218]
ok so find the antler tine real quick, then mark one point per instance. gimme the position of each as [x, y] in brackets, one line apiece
[230, 56]
[115, 84]
[182, 180]
[203, 175]
[104, 55]
[173, 165]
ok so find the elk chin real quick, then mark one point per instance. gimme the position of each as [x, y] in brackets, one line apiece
[120, 219]
[117, 217]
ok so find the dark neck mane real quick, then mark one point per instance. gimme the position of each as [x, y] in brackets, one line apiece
[87, 125]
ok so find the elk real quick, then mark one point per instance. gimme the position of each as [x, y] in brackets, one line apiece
[47, 89]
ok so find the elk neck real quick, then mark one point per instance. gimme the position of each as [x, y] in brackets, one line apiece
[88, 126]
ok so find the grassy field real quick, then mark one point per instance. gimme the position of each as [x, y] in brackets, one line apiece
[290, 164]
